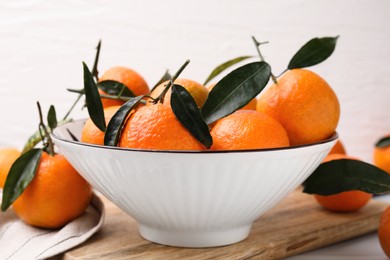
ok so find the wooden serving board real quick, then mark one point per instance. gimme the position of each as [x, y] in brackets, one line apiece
[296, 225]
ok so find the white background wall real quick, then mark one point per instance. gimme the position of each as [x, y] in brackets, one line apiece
[42, 44]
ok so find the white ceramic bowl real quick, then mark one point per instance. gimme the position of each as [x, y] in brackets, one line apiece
[192, 199]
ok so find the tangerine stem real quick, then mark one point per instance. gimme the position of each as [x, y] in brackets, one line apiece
[115, 97]
[72, 107]
[50, 145]
[170, 83]
[282, 73]
[257, 45]
[95, 71]
[121, 92]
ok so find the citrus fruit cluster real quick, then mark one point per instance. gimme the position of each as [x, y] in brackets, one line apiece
[182, 114]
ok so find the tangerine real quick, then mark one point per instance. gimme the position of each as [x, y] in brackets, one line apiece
[156, 127]
[7, 157]
[338, 148]
[197, 91]
[248, 129]
[91, 134]
[348, 201]
[133, 81]
[384, 231]
[56, 195]
[304, 104]
[382, 158]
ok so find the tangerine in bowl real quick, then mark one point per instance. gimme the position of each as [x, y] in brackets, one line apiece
[191, 198]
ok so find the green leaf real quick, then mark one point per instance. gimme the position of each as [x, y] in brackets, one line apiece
[167, 76]
[52, 117]
[115, 126]
[187, 112]
[235, 90]
[32, 141]
[220, 68]
[78, 91]
[115, 88]
[313, 52]
[94, 103]
[345, 175]
[19, 177]
[383, 142]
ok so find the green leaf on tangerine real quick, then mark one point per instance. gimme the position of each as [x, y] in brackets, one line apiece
[383, 142]
[52, 117]
[187, 112]
[115, 88]
[167, 76]
[19, 177]
[115, 126]
[94, 103]
[235, 90]
[345, 175]
[313, 52]
[222, 67]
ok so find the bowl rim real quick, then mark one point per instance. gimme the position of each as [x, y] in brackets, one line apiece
[334, 136]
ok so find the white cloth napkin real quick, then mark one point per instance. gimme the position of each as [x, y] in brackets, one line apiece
[21, 241]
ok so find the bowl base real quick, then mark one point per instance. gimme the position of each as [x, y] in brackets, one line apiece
[195, 239]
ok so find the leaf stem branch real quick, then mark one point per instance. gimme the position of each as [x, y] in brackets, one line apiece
[257, 45]
[46, 137]
[72, 107]
[160, 98]
[95, 72]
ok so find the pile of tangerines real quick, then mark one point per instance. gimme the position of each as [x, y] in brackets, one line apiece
[239, 112]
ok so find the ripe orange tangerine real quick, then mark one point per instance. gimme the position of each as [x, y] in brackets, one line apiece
[248, 129]
[132, 79]
[348, 201]
[56, 195]
[8, 156]
[338, 148]
[384, 231]
[197, 91]
[156, 127]
[382, 157]
[93, 135]
[304, 104]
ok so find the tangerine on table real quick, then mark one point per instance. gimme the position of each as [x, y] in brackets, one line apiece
[248, 129]
[384, 231]
[156, 127]
[56, 195]
[348, 201]
[304, 104]
[91, 134]
[382, 158]
[133, 81]
[8, 156]
[338, 148]
[197, 91]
